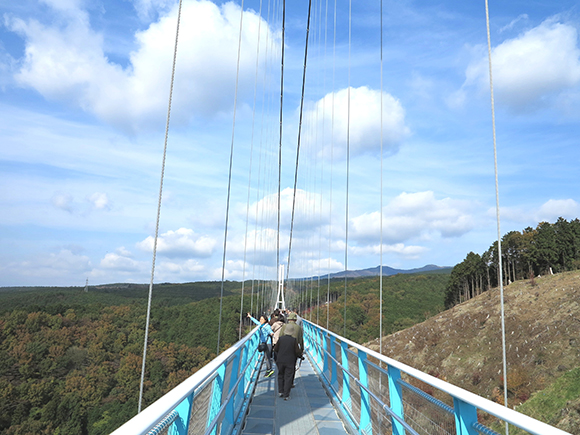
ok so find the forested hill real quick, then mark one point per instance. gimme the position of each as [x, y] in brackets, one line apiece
[113, 294]
[407, 300]
[70, 361]
[548, 248]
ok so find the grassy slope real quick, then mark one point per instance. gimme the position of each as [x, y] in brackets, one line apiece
[463, 345]
[558, 404]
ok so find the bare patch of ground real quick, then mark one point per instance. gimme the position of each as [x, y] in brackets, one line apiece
[463, 345]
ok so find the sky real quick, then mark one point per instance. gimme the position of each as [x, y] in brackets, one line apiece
[84, 94]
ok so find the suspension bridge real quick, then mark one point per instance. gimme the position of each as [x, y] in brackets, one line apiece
[341, 386]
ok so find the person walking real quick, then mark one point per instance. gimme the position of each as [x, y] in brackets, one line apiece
[278, 322]
[294, 329]
[266, 335]
[289, 347]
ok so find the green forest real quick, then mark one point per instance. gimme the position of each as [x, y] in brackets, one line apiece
[407, 300]
[548, 248]
[70, 361]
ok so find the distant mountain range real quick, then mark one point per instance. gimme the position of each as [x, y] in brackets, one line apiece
[387, 271]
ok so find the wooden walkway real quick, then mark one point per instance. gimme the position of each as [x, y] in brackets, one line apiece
[307, 412]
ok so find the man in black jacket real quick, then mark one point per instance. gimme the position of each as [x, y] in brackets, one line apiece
[288, 349]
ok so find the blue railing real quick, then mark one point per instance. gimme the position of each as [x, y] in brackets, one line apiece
[373, 393]
[376, 395]
[212, 401]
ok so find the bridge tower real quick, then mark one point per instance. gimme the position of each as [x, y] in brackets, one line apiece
[280, 303]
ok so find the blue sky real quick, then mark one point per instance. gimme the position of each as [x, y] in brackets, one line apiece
[83, 101]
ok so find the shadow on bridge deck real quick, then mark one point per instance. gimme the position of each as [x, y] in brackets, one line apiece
[309, 410]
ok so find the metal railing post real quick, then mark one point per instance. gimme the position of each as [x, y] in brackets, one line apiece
[318, 347]
[181, 423]
[333, 377]
[346, 401]
[325, 340]
[308, 332]
[465, 417]
[396, 398]
[365, 405]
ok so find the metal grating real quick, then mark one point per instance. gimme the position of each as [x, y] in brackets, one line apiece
[425, 416]
[200, 409]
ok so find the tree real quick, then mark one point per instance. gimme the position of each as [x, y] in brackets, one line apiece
[544, 249]
[564, 244]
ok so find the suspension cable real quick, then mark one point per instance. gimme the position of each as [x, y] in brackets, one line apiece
[158, 214]
[299, 134]
[230, 178]
[503, 342]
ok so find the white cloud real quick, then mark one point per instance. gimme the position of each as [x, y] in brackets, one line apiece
[120, 261]
[412, 215]
[522, 17]
[541, 63]
[555, 208]
[409, 252]
[262, 240]
[146, 8]
[306, 212]
[325, 265]
[65, 260]
[365, 122]
[67, 62]
[63, 201]
[188, 270]
[550, 211]
[181, 243]
[100, 201]
[233, 270]
[49, 268]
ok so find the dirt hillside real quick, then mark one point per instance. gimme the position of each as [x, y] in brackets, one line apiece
[463, 345]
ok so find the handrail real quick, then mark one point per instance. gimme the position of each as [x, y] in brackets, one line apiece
[156, 412]
[462, 399]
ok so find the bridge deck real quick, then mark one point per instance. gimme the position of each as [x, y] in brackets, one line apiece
[308, 411]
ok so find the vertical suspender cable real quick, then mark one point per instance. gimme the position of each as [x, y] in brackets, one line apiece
[503, 344]
[381, 217]
[299, 135]
[230, 178]
[347, 163]
[250, 173]
[381, 204]
[331, 172]
[158, 214]
[322, 170]
[280, 143]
